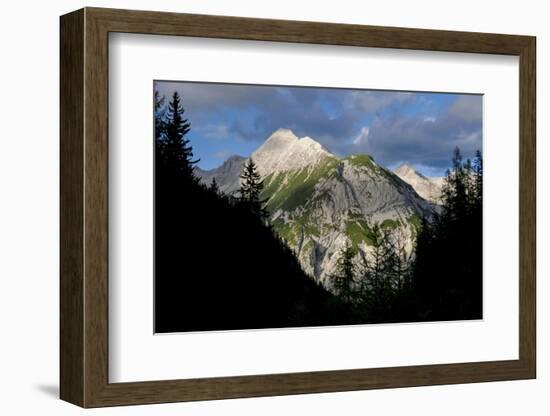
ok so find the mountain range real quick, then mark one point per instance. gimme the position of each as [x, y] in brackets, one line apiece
[319, 202]
[427, 188]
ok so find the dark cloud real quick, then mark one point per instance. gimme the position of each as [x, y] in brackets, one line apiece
[425, 141]
[213, 97]
[467, 108]
[375, 101]
[344, 121]
[300, 109]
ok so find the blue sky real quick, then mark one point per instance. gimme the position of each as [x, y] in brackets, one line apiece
[394, 127]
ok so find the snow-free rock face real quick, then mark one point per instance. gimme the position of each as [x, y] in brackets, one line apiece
[319, 202]
[283, 151]
[427, 188]
[319, 209]
[227, 175]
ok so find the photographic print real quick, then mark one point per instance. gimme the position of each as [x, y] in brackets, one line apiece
[286, 206]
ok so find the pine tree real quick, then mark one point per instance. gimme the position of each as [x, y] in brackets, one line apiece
[176, 151]
[400, 267]
[455, 188]
[160, 117]
[388, 261]
[374, 273]
[469, 184]
[382, 276]
[344, 276]
[478, 178]
[214, 186]
[450, 245]
[251, 190]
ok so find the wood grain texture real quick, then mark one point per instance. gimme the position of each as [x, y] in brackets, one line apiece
[84, 207]
[96, 218]
[72, 215]
[527, 207]
[225, 27]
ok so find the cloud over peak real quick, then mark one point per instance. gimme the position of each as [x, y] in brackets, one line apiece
[393, 126]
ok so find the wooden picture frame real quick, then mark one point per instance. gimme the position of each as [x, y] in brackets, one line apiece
[84, 207]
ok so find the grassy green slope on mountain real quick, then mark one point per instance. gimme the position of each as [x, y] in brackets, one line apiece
[390, 224]
[362, 161]
[289, 190]
[415, 223]
[358, 232]
[296, 228]
[292, 190]
[367, 161]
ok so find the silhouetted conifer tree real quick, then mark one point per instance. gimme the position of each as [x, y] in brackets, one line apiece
[455, 190]
[160, 117]
[382, 275]
[214, 186]
[344, 276]
[400, 265]
[478, 178]
[251, 189]
[175, 149]
[447, 281]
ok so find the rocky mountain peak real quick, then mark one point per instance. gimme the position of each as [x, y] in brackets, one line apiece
[284, 151]
[407, 170]
[234, 159]
[427, 188]
[227, 175]
[320, 202]
[309, 143]
[279, 140]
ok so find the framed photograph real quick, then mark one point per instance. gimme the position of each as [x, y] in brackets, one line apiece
[255, 207]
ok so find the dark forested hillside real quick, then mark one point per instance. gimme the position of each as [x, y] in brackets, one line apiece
[443, 279]
[448, 272]
[217, 264]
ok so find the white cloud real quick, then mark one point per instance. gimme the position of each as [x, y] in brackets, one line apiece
[374, 101]
[467, 108]
[222, 154]
[474, 137]
[362, 137]
[215, 131]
